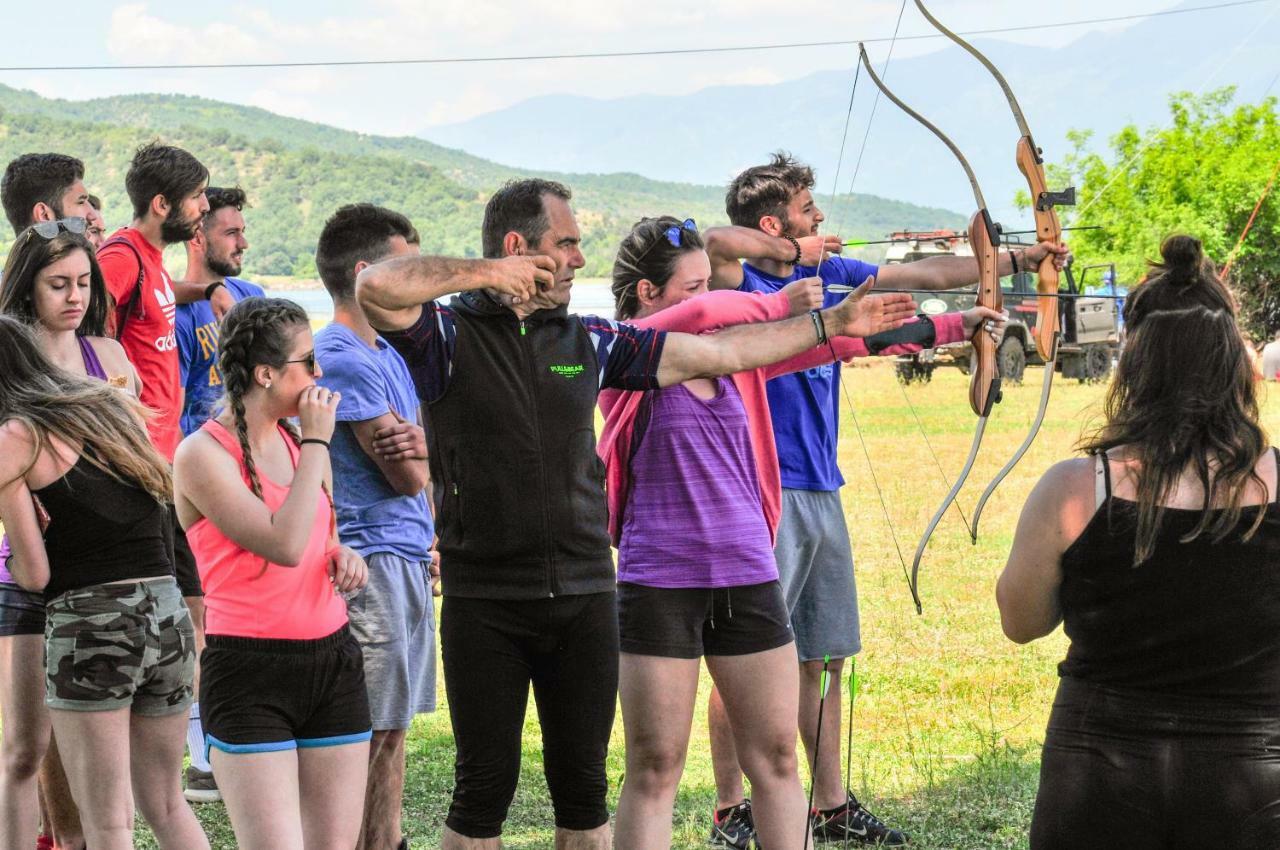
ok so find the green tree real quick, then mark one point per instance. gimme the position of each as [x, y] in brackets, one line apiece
[1203, 174]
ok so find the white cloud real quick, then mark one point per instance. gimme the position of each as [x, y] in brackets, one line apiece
[134, 35]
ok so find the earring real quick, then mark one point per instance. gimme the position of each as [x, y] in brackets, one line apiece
[267, 385]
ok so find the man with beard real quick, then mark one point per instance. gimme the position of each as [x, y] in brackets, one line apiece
[773, 241]
[166, 188]
[214, 258]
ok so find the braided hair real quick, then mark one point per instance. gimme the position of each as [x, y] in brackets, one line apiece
[646, 253]
[257, 332]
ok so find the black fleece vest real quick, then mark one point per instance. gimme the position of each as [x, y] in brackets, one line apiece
[513, 446]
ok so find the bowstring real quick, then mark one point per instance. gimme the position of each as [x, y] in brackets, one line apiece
[838, 213]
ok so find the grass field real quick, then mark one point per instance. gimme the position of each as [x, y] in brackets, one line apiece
[950, 714]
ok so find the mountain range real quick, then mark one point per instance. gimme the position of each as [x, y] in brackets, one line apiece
[1097, 82]
[297, 172]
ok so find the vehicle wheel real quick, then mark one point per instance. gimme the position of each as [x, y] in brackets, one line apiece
[1011, 360]
[1097, 364]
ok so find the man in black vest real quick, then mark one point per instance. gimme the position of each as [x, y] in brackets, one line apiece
[509, 379]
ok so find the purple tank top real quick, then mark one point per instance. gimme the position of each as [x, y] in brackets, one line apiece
[693, 517]
[93, 368]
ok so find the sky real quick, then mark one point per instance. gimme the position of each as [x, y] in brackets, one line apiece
[402, 100]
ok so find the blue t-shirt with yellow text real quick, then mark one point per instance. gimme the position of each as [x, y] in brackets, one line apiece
[196, 331]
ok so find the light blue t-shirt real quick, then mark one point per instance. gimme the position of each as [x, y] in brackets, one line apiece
[805, 406]
[372, 516]
[196, 331]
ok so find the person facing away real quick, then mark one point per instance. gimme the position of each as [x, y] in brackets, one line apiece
[215, 255]
[83, 498]
[381, 502]
[510, 381]
[1158, 553]
[282, 691]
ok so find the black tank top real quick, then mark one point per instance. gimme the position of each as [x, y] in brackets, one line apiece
[102, 530]
[1196, 619]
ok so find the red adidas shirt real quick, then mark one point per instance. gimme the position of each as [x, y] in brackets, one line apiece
[147, 334]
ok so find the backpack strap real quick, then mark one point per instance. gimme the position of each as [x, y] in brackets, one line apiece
[134, 302]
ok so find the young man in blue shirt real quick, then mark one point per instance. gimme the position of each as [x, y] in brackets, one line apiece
[773, 241]
[380, 494]
[215, 255]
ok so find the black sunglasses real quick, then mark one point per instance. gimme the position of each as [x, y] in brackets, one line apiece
[50, 229]
[309, 361]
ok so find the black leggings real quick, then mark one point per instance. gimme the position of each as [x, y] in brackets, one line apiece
[493, 649]
[1148, 771]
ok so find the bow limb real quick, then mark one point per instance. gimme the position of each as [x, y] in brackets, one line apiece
[1049, 367]
[984, 384]
[1031, 164]
[941, 511]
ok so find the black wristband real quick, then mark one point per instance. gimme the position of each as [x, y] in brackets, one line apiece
[795, 243]
[208, 290]
[1013, 260]
[316, 440]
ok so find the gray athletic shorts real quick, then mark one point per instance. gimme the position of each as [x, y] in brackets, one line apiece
[815, 566]
[393, 617]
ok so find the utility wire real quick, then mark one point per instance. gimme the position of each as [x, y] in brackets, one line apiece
[538, 57]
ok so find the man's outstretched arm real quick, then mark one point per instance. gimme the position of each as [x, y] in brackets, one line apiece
[947, 272]
[743, 347]
[392, 292]
[728, 246]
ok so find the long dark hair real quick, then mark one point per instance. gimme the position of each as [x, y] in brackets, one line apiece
[1184, 396]
[31, 254]
[107, 423]
[647, 254]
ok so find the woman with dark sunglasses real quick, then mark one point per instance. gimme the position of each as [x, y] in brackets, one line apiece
[694, 496]
[282, 690]
[52, 283]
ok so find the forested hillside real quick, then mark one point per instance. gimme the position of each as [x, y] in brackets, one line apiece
[298, 172]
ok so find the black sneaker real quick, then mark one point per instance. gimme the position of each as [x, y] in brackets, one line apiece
[733, 827]
[853, 822]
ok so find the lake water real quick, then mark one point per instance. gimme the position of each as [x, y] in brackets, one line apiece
[588, 299]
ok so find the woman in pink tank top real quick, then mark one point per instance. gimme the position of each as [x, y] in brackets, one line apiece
[53, 284]
[282, 689]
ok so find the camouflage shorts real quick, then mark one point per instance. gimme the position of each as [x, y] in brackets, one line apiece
[116, 646]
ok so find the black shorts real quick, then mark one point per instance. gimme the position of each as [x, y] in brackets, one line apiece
[184, 561]
[259, 695]
[693, 622]
[21, 611]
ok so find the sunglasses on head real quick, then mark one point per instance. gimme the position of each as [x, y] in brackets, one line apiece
[50, 229]
[674, 235]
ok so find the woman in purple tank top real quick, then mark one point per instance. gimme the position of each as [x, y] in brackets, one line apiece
[52, 282]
